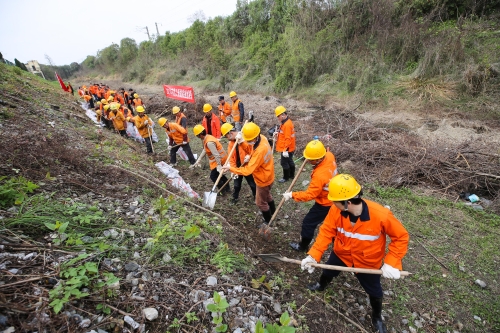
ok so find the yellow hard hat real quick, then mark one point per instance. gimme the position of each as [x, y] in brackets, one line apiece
[103, 101]
[112, 92]
[106, 107]
[279, 110]
[162, 121]
[115, 106]
[314, 150]
[98, 112]
[128, 119]
[98, 103]
[250, 131]
[232, 94]
[207, 108]
[176, 109]
[224, 129]
[136, 95]
[198, 129]
[140, 108]
[343, 187]
[110, 98]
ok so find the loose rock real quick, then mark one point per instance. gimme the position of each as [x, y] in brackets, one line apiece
[150, 313]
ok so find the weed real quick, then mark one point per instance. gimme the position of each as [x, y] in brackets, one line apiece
[191, 316]
[228, 261]
[275, 328]
[218, 308]
[13, 191]
[260, 282]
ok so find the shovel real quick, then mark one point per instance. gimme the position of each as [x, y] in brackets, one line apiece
[151, 138]
[276, 257]
[265, 228]
[209, 198]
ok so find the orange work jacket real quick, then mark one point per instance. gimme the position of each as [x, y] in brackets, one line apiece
[119, 99]
[261, 164]
[137, 102]
[178, 118]
[363, 245]
[214, 125]
[236, 111]
[177, 133]
[80, 92]
[320, 178]
[286, 137]
[87, 98]
[220, 149]
[240, 152]
[224, 111]
[118, 120]
[139, 124]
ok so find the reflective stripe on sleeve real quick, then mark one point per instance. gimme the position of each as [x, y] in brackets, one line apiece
[358, 236]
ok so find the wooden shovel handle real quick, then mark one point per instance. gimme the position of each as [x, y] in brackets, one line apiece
[289, 189]
[227, 160]
[341, 268]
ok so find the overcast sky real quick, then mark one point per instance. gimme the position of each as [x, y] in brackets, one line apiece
[68, 31]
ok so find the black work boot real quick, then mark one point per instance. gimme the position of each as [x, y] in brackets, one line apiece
[272, 207]
[236, 193]
[377, 322]
[286, 176]
[303, 245]
[267, 216]
[321, 285]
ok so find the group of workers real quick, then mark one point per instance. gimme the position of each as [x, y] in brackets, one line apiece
[357, 227]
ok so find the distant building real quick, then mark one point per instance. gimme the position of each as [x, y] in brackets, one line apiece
[34, 67]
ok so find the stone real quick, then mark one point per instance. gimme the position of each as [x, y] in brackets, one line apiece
[258, 310]
[129, 320]
[132, 266]
[277, 307]
[234, 301]
[412, 329]
[156, 275]
[101, 331]
[477, 318]
[418, 323]
[114, 286]
[480, 283]
[137, 255]
[85, 323]
[150, 313]
[166, 257]
[87, 239]
[404, 321]
[114, 233]
[211, 281]
[197, 295]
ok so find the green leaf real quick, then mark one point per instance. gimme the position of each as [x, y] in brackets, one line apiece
[259, 328]
[287, 329]
[91, 267]
[51, 226]
[57, 304]
[216, 297]
[191, 231]
[285, 319]
[99, 306]
[217, 320]
[47, 176]
[63, 227]
[255, 284]
[272, 328]
[262, 278]
[223, 304]
[212, 307]
[221, 328]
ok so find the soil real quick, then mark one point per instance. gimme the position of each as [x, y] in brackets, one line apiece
[67, 154]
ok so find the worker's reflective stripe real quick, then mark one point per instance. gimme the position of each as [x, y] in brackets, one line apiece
[293, 135]
[325, 188]
[358, 236]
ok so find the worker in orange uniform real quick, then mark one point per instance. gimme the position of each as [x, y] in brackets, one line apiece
[144, 126]
[286, 143]
[180, 117]
[237, 110]
[177, 138]
[241, 156]
[324, 168]
[225, 111]
[217, 156]
[358, 228]
[98, 112]
[260, 165]
[118, 119]
[211, 122]
[89, 100]
[137, 102]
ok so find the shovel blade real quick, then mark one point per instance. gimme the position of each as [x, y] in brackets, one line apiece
[271, 257]
[209, 199]
[265, 231]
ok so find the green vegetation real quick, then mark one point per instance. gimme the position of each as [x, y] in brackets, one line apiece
[218, 308]
[275, 328]
[14, 190]
[335, 47]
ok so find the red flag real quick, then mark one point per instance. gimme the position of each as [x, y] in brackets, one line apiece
[179, 93]
[61, 82]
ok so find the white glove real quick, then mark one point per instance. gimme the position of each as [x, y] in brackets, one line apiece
[246, 159]
[169, 147]
[306, 264]
[192, 166]
[275, 133]
[184, 142]
[239, 138]
[225, 168]
[219, 168]
[390, 272]
[285, 154]
[146, 123]
[234, 176]
[287, 195]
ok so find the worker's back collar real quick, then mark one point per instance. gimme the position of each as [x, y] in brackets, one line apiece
[284, 120]
[257, 143]
[365, 214]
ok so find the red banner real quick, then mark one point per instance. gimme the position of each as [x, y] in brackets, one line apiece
[61, 82]
[179, 93]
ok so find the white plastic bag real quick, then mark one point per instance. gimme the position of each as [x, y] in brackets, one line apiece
[175, 179]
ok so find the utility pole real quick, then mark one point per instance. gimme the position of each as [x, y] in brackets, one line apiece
[147, 30]
[157, 32]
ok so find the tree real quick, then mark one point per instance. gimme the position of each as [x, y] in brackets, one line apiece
[128, 50]
[20, 65]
